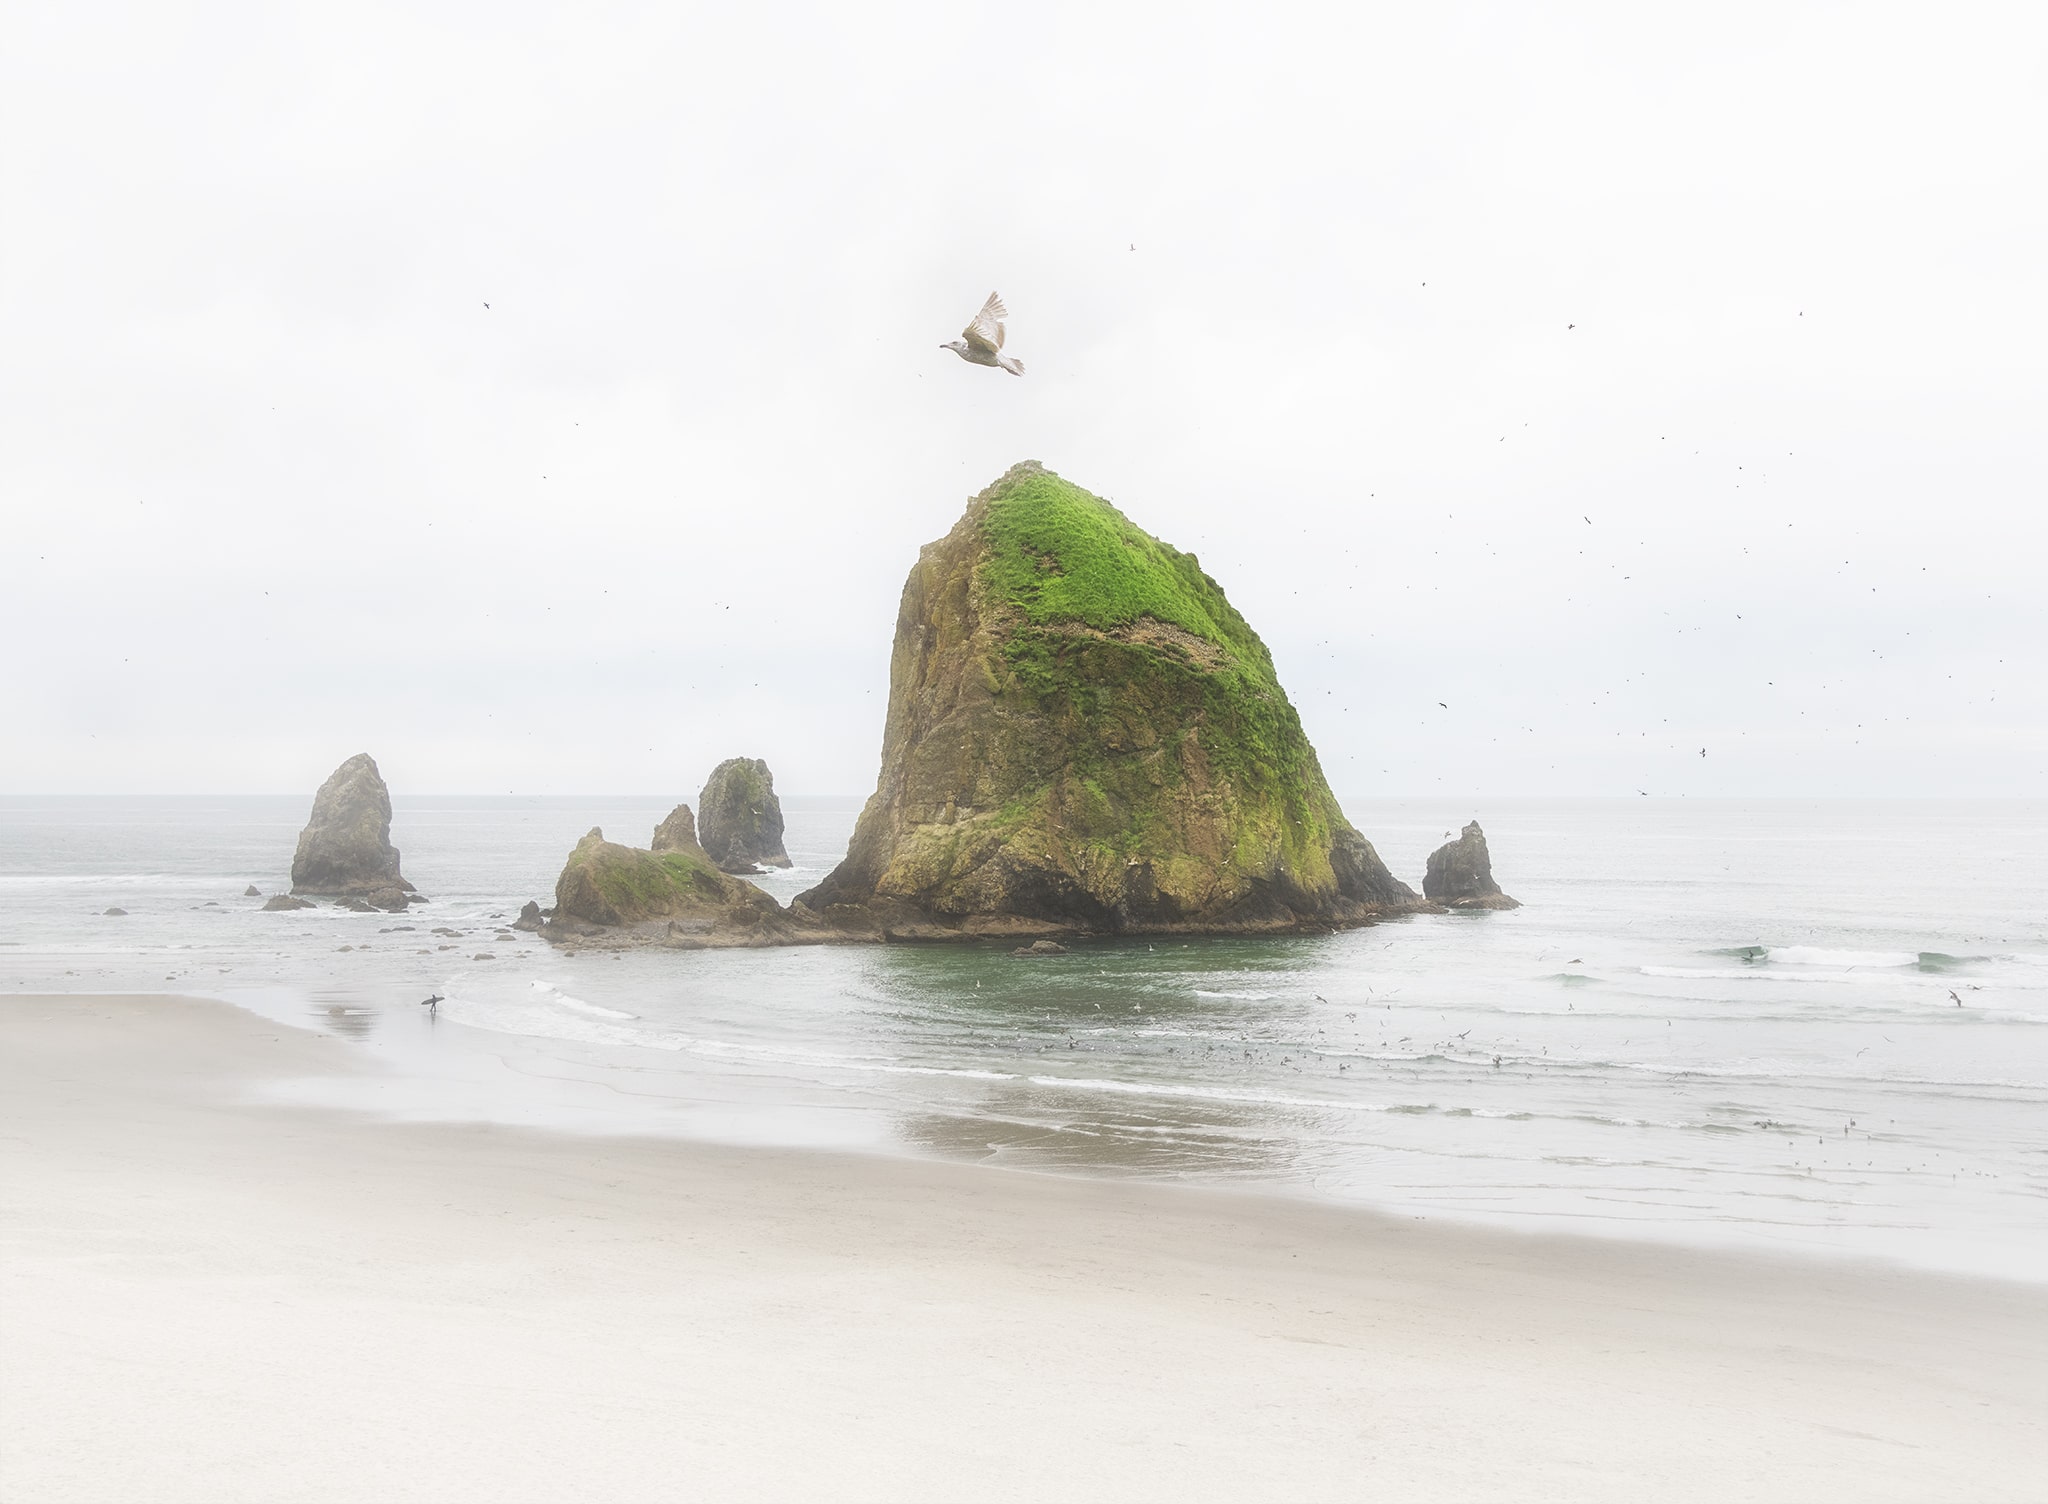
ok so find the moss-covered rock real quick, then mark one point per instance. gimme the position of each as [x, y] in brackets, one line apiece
[1084, 736]
[741, 817]
[621, 895]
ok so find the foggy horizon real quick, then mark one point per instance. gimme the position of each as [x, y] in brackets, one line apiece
[1558, 396]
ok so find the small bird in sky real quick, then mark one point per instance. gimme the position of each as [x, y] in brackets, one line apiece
[981, 342]
[487, 305]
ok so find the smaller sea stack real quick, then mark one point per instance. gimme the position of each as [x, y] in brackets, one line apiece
[345, 851]
[676, 833]
[621, 896]
[740, 818]
[1460, 874]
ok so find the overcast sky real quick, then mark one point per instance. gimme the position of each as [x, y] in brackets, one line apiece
[1560, 390]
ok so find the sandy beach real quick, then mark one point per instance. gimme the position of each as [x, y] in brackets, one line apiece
[206, 1299]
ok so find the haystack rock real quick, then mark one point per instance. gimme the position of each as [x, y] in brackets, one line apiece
[676, 833]
[1084, 736]
[1460, 874]
[741, 817]
[617, 896]
[345, 849]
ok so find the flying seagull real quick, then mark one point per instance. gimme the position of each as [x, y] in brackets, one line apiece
[981, 342]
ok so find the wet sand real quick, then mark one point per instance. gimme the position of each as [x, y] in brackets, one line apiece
[204, 1298]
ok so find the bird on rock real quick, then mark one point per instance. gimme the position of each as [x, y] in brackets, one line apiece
[981, 342]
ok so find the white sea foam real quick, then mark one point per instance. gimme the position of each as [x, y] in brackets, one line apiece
[1752, 974]
[1238, 997]
[593, 1009]
[1815, 955]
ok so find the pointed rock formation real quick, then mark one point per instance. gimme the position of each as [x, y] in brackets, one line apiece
[676, 833]
[1460, 874]
[345, 849]
[1084, 736]
[742, 818]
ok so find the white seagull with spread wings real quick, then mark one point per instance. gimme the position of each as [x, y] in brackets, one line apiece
[981, 342]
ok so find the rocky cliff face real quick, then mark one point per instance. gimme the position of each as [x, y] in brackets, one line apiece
[1460, 874]
[742, 819]
[345, 849]
[620, 895]
[1084, 736]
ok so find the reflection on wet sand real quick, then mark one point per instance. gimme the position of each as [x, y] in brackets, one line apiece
[352, 1022]
[1031, 1125]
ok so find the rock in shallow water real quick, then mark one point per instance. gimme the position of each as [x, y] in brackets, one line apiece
[740, 817]
[1460, 874]
[346, 847]
[622, 894]
[1084, 735]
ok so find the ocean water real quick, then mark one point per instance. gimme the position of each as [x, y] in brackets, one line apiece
[1810, 1027]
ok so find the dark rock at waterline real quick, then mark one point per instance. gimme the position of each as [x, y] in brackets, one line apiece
[1041, 948]
[739, 817]
[252, 891]
[280, 902]
[529, 918]
[119, 913]
[678, 832]
[1460, 874]
[345, 849]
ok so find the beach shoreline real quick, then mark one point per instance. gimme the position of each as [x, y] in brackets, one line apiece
[214, 1297]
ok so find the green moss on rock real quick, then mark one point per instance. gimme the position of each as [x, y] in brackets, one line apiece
[604, 883]
[1084, 734]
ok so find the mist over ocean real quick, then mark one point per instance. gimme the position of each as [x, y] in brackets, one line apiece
[1810, 1026]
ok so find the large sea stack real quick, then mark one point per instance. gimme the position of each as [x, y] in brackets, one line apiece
[345, 851]
[739, 817]
[1460, 874]
[1084, 736]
